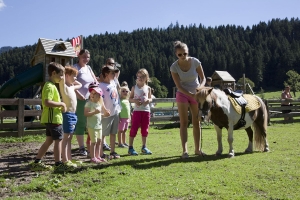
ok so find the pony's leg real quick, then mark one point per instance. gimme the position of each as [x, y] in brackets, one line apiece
[230, 141]
[219, 139]
[250, 136]
[266, 149]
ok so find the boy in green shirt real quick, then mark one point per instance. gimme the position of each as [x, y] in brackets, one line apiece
[52, 118]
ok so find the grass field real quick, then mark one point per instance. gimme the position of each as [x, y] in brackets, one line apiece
[164, 175]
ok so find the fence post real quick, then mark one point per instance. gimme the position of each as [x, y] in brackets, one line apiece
[268, 110]
[21, 117]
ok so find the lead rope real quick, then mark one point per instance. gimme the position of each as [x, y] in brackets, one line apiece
[200, 126]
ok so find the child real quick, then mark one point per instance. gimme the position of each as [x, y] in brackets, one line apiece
[92, 111]
[112, 103]
[52, 118]
[124, 116]
[67, 87]
[152, 105]
[141, 96]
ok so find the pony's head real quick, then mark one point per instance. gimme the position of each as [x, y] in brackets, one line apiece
[203, 97]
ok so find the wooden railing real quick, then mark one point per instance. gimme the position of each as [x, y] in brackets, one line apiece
[160, 116]
[275, 111]
[17, 128]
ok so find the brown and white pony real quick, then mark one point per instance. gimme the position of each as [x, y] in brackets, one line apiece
[223, 115]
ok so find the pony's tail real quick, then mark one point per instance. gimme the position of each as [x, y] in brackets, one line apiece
[260, 127]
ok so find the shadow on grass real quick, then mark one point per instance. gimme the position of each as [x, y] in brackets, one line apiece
[17, 166]
[146, 163]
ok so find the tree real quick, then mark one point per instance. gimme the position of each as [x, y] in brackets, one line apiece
[160, 91]
[293, 81]
[247, 80]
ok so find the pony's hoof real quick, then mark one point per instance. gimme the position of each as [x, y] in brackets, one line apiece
[248, 151]
[218, 154]
[266, 150]
[230, 155]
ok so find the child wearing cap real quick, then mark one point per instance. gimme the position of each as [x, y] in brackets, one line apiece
[92, 110]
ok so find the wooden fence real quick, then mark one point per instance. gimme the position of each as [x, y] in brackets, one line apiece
[159, 116]
[17, 127]
[275, 111]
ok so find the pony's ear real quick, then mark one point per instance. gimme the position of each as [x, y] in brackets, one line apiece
[198, 89]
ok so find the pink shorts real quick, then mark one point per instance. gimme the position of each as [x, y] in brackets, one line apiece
[182, 98]
[123, 124]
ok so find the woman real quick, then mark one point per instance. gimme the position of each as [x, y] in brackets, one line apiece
[286, 99]
[185, 72]
[111, 62]
[85, 76]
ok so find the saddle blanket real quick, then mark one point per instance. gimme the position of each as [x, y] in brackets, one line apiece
[252, 104]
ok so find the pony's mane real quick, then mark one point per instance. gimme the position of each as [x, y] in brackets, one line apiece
[219, 97]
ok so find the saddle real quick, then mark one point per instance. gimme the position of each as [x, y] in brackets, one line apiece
[241, 101]
[237, 95]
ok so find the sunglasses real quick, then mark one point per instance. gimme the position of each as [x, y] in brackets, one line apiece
[180, 54]
[111, 63]
[125, 91]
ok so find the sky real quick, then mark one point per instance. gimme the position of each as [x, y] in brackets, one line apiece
[23, 22]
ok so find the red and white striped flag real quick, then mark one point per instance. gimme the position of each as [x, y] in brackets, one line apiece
[77, 44]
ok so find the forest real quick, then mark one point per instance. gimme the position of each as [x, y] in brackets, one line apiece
[264, 52]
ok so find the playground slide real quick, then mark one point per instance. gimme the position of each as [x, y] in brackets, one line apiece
[21, 81]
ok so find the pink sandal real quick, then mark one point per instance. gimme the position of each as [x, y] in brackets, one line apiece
[95, 160]
[101, 159]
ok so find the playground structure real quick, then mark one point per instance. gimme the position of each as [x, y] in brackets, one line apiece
[46, 51]
[223, 80]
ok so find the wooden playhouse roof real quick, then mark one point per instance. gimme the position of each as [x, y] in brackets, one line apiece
[53, 47]
[222, 76]
[56, 47]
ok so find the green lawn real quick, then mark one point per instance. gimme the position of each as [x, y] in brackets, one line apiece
[164, 175]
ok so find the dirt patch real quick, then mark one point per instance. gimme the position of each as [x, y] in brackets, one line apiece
[15, 159]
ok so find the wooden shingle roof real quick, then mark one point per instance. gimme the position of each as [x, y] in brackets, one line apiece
[56, 47]
[222, 75]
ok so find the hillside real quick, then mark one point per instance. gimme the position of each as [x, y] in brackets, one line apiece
[4, 49]
[264, 52]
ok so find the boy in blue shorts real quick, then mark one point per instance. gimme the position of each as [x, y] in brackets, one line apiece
[67, 87]
[52, 118]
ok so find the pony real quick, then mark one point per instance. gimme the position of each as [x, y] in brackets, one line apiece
[224, 115]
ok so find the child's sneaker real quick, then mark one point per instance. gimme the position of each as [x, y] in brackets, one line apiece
[106, 147]
[70, 163]
[121, 145]
[146, 151]
[40, 166]
[132, 152]
[126, 145]
[114, 155]
[82, 152]
[105, 156]
[63, 168]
